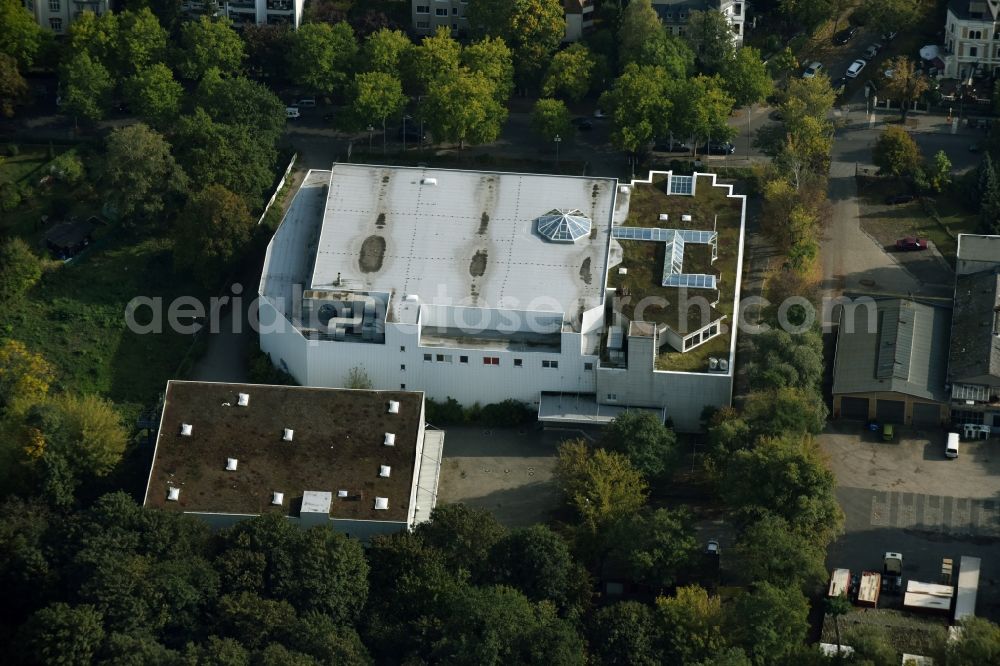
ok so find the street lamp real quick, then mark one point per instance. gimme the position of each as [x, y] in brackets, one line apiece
[557, 140]
[371, 130]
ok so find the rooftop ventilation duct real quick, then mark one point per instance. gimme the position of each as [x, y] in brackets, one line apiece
[394, 407]
[384, 471]
[186, 429]
[288, 435]
[173, 494]
[243, 399]
[623, 189]
[381, 503]
[231, 464]
[277, 499]
[390, 439]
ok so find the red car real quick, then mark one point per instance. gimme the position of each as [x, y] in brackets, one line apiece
[910, 244]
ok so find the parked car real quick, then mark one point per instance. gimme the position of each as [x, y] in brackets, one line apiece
[306, 102]
[839, 85]
[292, 112]
[888, 36]
[896, 199]
[872, 50]
[845, 35]
[855, 68]
[713, 548]
[667, 146]
[812, 70]
[718, 148]
[910, 244]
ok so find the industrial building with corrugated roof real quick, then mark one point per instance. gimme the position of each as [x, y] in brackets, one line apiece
[359, 461]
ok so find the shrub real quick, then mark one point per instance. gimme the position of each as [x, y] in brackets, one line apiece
[10, 197]
[20, 269]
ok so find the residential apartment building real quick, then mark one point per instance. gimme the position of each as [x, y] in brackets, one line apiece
[429, 15]
[578, 295]
[251, 12]
[675, 14]
[972, 39]
[58, 15]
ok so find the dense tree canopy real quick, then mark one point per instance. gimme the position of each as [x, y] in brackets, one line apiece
[641, 436]
[20, 269]
[532, 29]
[13, 87]
[322, 55]
[25, 377]
[550, 119]
[386, 51]
[462, 108]
[154, 95]
[206, 44]
[20, 36]
[569, 73]
[601, 486]
[896, 153]
[86, 87]
[639, 107]
[211, 231]
[140, 172]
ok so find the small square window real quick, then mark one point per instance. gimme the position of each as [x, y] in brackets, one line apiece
[423, 24]
[402, 366]
[612, 396]
[440, 358]
[56, 24]
[588, 366]
[454, 11]
[427, 357]
[550, 364]
[402, 387]
[402, 348]
[54, 5]
[463, 359]
[518, 363]
[423, 9]
[441, 11]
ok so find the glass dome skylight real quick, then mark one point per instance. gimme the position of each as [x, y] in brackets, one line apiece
[564, 226]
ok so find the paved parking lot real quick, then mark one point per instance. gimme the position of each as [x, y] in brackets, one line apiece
[907, 497]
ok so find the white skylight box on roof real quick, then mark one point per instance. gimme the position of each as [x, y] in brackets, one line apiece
[394, 407]
[381, 503]
[390, 439]
[277, 499]
[664, 217]
[342, 494]
[186, 429]
[243, 399]
[685, 218]
[564, 226]
[231, 464]
[384, 471]
[173, 494]
[288, 435]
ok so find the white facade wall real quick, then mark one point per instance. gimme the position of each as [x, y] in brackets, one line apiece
[265, 12]
[58, 15]
[970, 43]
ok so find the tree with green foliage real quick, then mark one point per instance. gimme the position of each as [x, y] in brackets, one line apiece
[769, 622]
[240, 101]
[906, 85]
[25, 377]
[141, 42]
[939, 172]
[623, 634]
[97, 36]
[988, 190]
[533, 29]
[784, 477]
[601, 486]
[700, 108]
[62, 634]
[639, 107]
[654, 548]
[731, 656]
[811, 97]
[84, 430]
[783, 63]
[710, 36]
[537, 561]
[979, 644]
[154, 95]
[254, 621]
[871, 646]
[808, 13]
[266, 46]
[690, 625]
[139, 172]
[491, 58]
[13, 87]
[550, 118]
[211, 232]
[437, 55]
[86, 86]
[649, 445]
[771, 551]
[20, 35]
[209, 43]
[888, 15]
[20, 269]
[463, 535]
[785, 411]
[386, 51]
[322, 56]
[836, 607]
[747, 79]
[569, 73]
[463, 108]
[643, 41]
[896, 153]
[376, 95]
[784, 359]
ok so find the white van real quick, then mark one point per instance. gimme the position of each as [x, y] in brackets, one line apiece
[951, 448]
[292, 112]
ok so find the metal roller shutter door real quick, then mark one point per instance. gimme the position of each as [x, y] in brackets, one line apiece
[854, 408]
[890, 411]
[926, 414]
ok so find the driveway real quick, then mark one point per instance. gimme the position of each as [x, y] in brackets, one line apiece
[907, 497]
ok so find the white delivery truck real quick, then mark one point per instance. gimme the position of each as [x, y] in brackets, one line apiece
[951, 447]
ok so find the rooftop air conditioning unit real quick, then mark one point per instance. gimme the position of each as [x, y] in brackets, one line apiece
[384, 471]
[381, 503]
[390, 439]
[173, 494]
[623, 189]
[713, 363]
[277, 499]
[243, 399]
[231, 464]
[186, 429]
[394, 407]
[622, 271]
[288, 435]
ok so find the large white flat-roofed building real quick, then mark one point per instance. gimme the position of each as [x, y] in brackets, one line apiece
[358, 461]
[484, 286]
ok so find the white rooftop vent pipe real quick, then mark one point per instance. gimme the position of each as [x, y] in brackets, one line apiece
[173, 494]
[394, 407]
[390, 439]
[244, 399]
[288, 435]
[384, 471]
[231, 464]
[381, 503]
[277, 499]
[186, 429]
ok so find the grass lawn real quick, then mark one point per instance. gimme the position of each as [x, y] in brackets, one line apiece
[889, 223]
[14, 169]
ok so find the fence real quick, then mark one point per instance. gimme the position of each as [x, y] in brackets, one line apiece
[277, 189]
